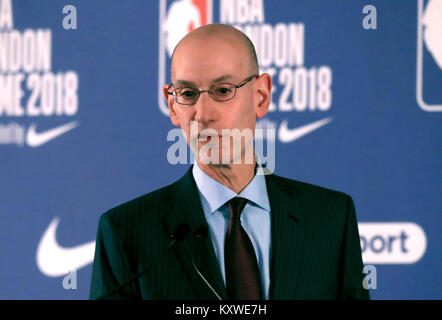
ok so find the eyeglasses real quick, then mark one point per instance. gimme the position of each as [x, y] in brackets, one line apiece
[219, 92]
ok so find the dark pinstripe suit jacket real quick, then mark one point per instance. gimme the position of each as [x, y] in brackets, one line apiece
[315, 245]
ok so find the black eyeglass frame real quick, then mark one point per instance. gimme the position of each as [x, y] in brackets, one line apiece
[198, 92]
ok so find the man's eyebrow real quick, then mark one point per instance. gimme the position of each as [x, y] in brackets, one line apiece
[186, 83]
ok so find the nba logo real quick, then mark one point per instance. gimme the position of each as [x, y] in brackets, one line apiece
[177, 18]
[429, 55]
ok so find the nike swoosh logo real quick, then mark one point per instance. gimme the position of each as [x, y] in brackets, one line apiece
[35, 139]
[54, 260]
[286, 135]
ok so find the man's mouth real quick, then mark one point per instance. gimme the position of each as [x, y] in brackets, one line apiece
[204, 138]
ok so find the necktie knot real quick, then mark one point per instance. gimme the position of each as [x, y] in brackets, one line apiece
[236, 205]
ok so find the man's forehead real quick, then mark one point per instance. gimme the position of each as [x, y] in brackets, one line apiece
[209, 66]
[205, 70]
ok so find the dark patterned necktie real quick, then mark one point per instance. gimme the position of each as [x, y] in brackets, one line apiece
[242, 272]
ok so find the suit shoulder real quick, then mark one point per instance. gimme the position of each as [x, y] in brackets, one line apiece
[293, 185]
[146, 205]
[317, 204]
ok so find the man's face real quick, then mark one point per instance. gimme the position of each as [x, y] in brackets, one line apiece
[201, 62]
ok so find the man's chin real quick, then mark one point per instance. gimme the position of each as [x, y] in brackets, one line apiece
[219, 165]
[213, 154]
[214, 162]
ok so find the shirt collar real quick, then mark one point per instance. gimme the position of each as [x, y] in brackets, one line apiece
[214, 194]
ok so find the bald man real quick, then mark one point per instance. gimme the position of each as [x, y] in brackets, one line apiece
[228, 229]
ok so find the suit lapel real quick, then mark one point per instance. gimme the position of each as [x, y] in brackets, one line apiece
[185, 207]
[287, 234]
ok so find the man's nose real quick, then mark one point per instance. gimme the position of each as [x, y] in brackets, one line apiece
[205, 108]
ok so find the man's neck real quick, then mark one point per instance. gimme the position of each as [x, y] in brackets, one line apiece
[234, 176]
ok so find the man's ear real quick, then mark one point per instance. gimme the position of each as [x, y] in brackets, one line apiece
[171, 103]
[263, 89]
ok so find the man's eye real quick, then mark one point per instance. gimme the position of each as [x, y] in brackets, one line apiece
[223, 91]
[187, 94]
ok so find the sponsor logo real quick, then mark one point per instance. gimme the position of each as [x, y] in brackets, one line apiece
[392, 242]
[429, 55]
[289, 135]
[35, 139]
[53, 260]
[297, 87]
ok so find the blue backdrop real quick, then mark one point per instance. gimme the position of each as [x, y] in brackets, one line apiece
[83, 125]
